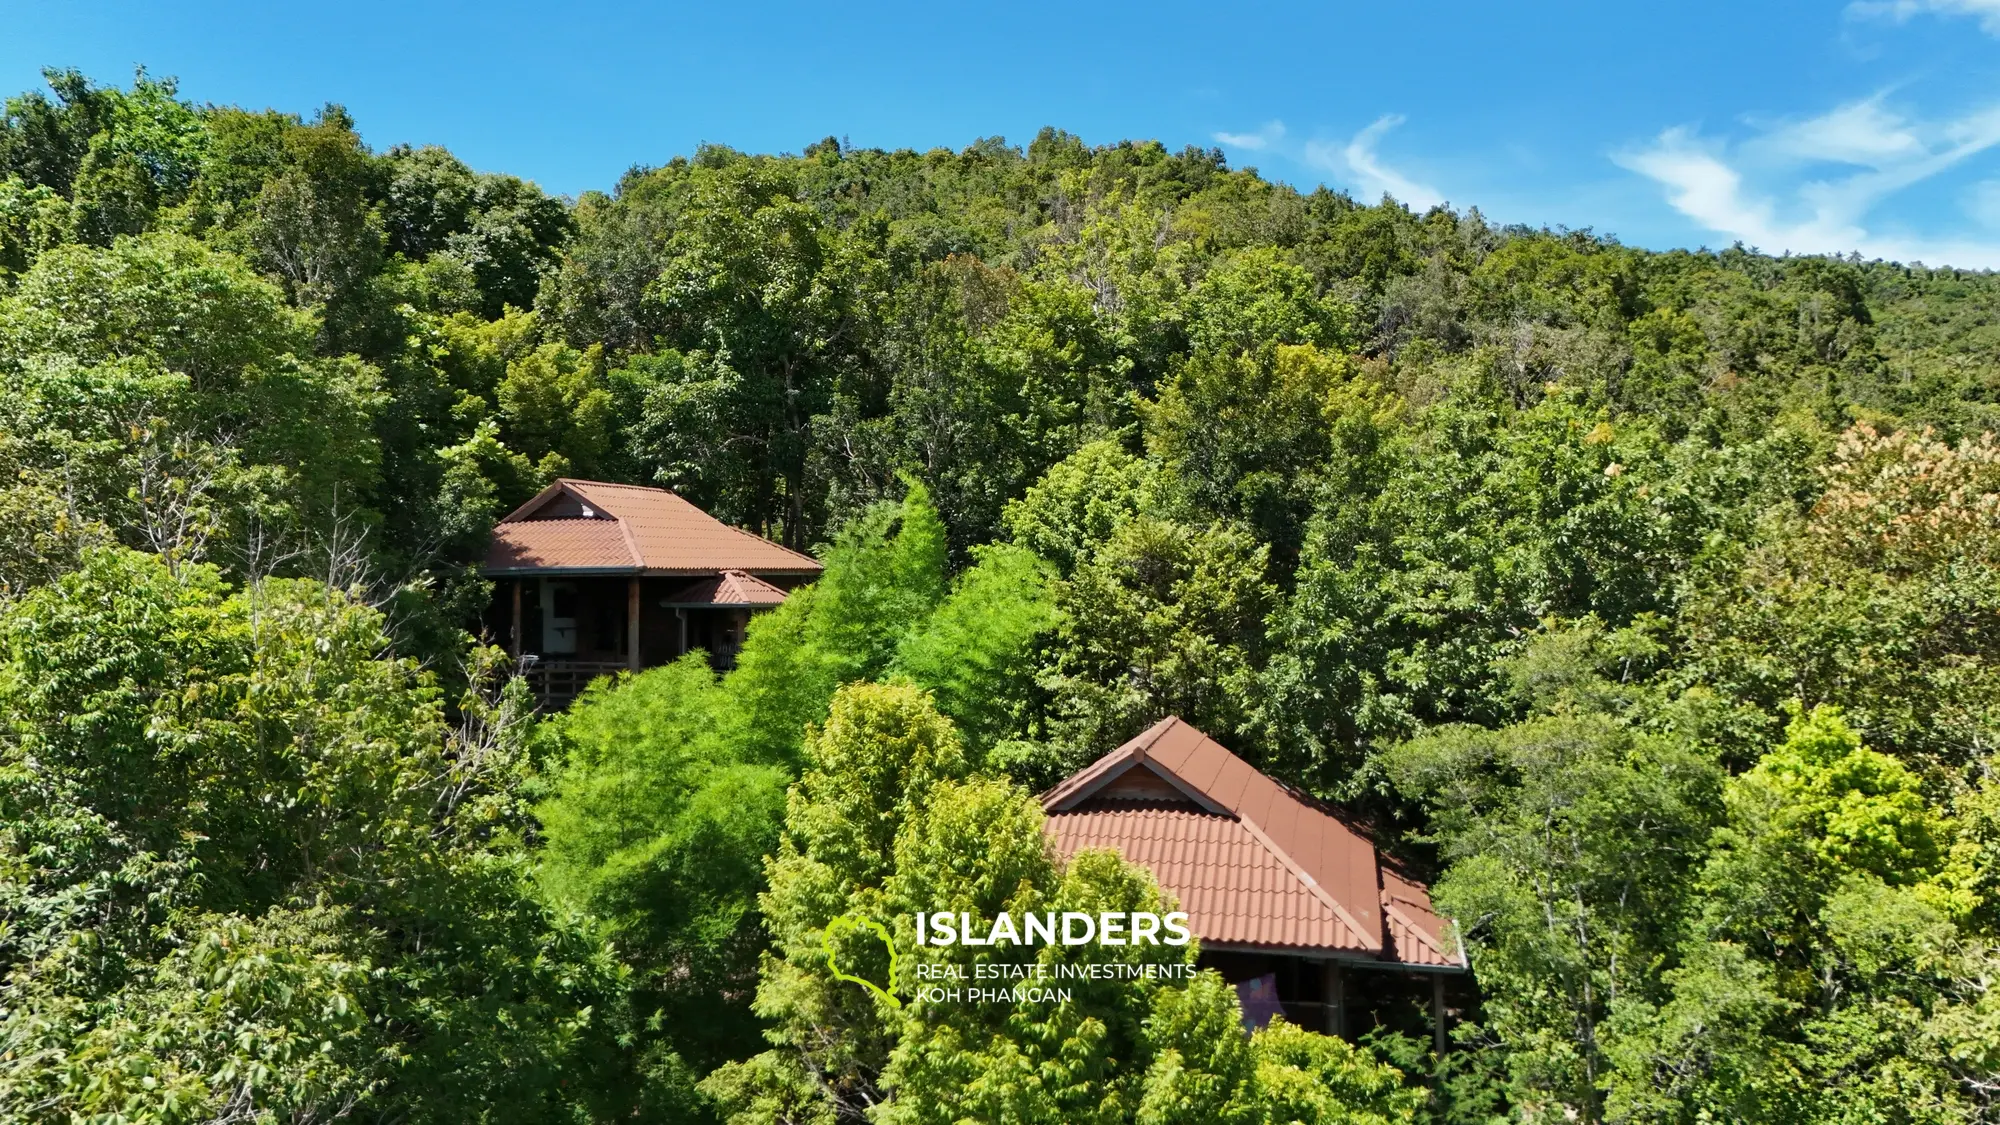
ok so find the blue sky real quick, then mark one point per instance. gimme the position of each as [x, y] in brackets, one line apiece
[1871, 126]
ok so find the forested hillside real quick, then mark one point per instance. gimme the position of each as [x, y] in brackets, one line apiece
[1648, 602]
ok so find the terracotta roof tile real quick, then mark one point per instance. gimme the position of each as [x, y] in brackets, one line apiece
[1418, 935]
[622, 528]
[563, 544]
[1235, 890]
[730, 588]
[1364, 906]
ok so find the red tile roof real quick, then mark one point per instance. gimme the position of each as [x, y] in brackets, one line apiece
[1417, 936]
[580, 526]
[730, 588]
[1253, 863]
[1235, 890]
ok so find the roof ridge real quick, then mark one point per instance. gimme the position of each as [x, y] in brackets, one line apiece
[1373, 941]
[1133, 754]
[741, 575]
[625, 531]
[1096, 801]
[697, 510]
[1134, 747]
[1157, 731]
[621, 484]
[753, 535]
[1077, 782]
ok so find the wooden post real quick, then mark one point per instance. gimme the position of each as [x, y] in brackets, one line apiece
[632, 624]
[514, 634]
[1437, 1012]
[1335, 989]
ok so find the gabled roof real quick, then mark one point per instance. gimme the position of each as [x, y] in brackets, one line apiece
[730, 589]
[590, 527]
[1254, 864]
[1236, 889]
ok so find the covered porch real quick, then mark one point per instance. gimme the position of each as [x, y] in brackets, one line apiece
[1344, 997]
[565, 631]
[592, 578]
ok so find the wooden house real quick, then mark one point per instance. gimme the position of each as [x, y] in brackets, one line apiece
[1293, 905]
[593, 578]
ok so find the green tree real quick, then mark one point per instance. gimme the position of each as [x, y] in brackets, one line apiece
[870, 768]
[250, 869]
[1166, 619]
[144, 160]
[316, 224]
[656, 824]
[181, 400]
[1570, 838]
[1437, 549]
[504, 232]
[885, 824]
[32, 219]
[766, 303]
[968, 652]
[44, 141]
[1071, 512]
[1880, 598]
[1827, 973]
[985, 380]
[1245, 434]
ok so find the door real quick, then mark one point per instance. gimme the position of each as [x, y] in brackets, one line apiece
[558, 618]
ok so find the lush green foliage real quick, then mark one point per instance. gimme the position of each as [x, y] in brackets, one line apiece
[672, 783]
[249, 870]
[1646, 600]
[885, 822]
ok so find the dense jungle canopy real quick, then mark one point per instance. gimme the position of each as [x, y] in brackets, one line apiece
[1647, 602]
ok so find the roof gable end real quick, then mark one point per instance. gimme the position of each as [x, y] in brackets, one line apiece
[1088, 780]
[544, 505]
[1388, 914]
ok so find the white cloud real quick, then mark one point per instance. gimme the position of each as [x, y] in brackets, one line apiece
[1861, 133]
[1707, 182]
[1704, 188]
[1356, 163]
[1364, 166]
[1271, 133]
[1988, 11]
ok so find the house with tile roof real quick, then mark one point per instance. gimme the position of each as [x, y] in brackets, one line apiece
[593, 578]
[1293, 904]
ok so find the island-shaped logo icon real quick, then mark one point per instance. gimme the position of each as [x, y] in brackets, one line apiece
[842, 924]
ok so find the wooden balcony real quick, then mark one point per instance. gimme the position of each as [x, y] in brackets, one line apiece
[556, 682]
